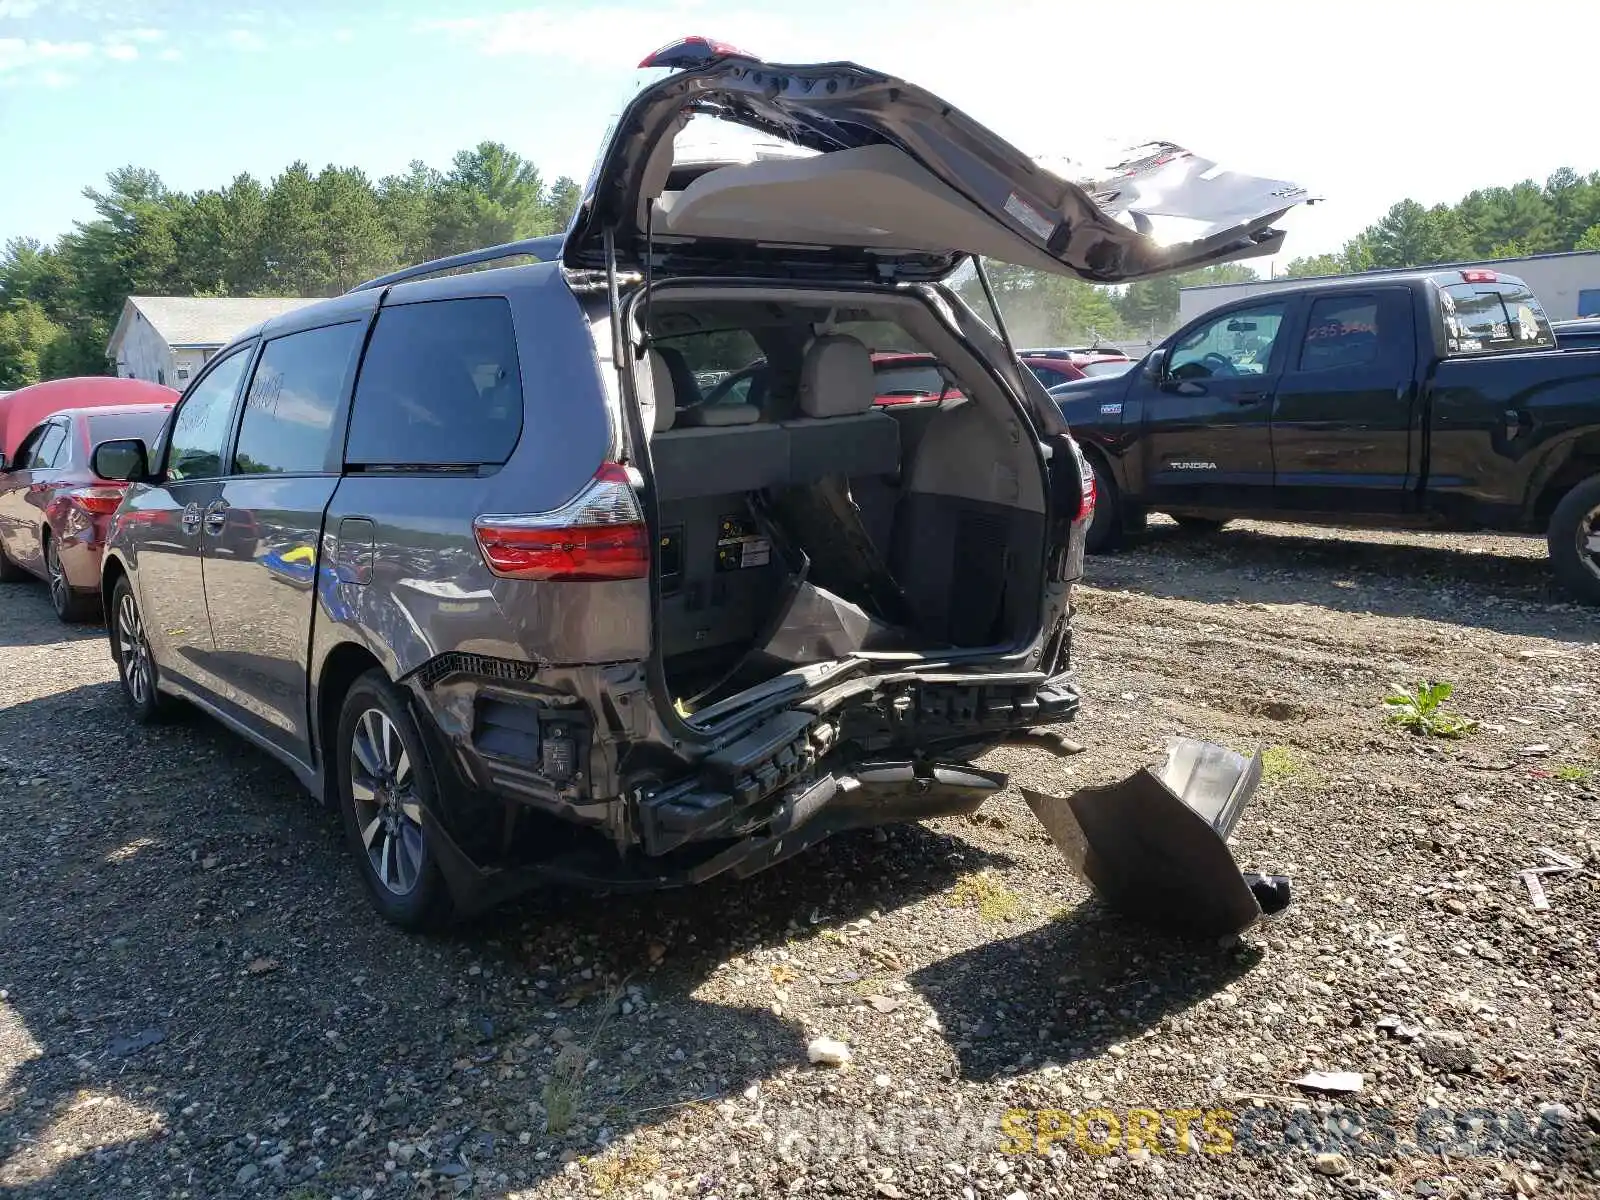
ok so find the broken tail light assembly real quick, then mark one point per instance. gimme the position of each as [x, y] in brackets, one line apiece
[598, 536]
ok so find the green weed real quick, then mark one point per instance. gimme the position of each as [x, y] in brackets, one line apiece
[1422, 711]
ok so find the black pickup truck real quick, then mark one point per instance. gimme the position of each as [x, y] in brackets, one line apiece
[1432, 400]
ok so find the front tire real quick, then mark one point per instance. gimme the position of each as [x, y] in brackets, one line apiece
[72, 608]
[136, 666]
[385, 783]
[1105, 532]
[1574, 539]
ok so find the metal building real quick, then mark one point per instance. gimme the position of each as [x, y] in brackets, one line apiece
[1568, 285]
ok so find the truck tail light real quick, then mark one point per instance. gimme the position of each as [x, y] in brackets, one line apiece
[100, 500]
[1480, 276]
[598, 535]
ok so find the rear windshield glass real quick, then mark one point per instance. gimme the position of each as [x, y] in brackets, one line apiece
[913, 380]
[1481, 318]
[440, 386]
[110, 427]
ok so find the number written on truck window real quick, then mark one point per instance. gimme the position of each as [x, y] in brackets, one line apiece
[1341, 332]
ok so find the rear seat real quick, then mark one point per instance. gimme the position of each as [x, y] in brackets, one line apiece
[839, 432]
[711, 459]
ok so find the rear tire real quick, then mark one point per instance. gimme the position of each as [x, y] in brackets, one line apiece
[1574, 540]
[72, 607]
[1105, 531]
[1198, 525]
[136, 666]
[385, 783]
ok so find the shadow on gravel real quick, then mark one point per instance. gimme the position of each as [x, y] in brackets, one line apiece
[1500, 592]
[1070, 989]
[30, 621]
[197, 999]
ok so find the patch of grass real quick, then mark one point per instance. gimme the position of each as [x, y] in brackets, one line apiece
[563, 1091]
[625, 1171]
[995, 902]
[1278, 764]
[1422, 711]
[1568, 773]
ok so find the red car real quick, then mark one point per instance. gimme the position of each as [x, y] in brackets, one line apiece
[907, 377]
[55, 511]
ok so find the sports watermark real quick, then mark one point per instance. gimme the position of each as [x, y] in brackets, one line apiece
[905, 1131]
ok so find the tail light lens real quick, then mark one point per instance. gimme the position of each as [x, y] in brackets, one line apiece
[1090, 492]
[598, 535]
[99, 501]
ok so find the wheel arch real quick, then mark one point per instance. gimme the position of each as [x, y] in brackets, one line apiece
[345, 663]
[1571, 464]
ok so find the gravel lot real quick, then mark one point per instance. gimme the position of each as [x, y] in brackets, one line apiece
[195, 1000]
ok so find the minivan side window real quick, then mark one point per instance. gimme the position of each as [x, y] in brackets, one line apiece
[199, 431]
[440, 386]
[289, 408]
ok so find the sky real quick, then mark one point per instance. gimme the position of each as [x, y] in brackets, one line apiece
[1364, 103]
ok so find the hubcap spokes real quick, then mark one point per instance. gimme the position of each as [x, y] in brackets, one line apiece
[132, 651]
[1589, 540]
[387, 810]
[58, 576]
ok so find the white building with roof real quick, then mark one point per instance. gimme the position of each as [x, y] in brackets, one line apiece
[167, 339]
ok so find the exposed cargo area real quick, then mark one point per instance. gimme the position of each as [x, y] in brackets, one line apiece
[800, 523]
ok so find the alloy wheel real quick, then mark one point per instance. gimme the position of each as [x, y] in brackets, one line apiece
[60, 589]
[387, 809]
[1589, 541]
[133, 652]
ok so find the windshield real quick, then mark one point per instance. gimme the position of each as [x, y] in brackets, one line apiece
[1480, 318]
[918, 380]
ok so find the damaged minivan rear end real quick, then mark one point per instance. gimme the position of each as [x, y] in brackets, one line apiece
[713, 603]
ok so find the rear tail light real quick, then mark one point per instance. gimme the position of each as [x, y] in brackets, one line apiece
[99, 501]
[1480, 276]
[1090, 492]
[598, 535]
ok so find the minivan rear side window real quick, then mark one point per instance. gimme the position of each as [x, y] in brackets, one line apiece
[289, 408]
[440, 386]
[1484, 317]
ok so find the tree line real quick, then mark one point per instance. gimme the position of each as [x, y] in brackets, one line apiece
[303, 233]
[318, 234]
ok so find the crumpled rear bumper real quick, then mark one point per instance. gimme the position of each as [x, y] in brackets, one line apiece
[1155, 846]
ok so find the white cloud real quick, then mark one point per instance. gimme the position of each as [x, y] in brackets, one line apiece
[52, 78]
[142, 35]
[17, 8]
[170, 54]
[245, 39]
[589, 36]
[16, 53]
[122, 52]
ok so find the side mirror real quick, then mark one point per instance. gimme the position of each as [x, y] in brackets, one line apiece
[123, 461]
[1155, 365]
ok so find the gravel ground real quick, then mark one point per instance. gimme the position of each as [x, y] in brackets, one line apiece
[195, 1000]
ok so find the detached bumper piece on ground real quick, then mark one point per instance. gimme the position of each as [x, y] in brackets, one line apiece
[1155, 846]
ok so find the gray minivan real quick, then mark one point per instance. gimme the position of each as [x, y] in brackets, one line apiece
[473, 553]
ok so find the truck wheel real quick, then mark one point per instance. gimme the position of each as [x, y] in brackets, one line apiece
[1575, 541]
[1198, 525]
[1105, 529]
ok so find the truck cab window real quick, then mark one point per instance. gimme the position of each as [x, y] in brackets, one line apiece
[1481, 318]
[1235, 344]
[1342, 332]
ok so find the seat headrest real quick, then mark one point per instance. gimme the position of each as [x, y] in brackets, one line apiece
[721, 414]
[836, 378]
[666, 400]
